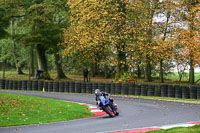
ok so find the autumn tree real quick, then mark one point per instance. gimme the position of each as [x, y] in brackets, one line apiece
[193, 41]
[163, 26]
[135, 20]
[143, 34]
[188, 32]
[99, 26]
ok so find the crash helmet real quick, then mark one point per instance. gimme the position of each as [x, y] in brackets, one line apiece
[97, 92]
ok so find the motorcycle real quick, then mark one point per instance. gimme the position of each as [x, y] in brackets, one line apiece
[108, 106]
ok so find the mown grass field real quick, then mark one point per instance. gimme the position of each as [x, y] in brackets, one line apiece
[172, 78]
[166, 98]
[194, 129]
[11, 75]
[23, 110]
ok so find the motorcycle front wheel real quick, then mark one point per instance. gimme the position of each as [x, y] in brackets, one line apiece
[109, 111]
[117, 112]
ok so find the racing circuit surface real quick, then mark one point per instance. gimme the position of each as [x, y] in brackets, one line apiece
[134, 113]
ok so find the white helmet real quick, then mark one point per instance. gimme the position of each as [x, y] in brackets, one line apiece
[97, 92]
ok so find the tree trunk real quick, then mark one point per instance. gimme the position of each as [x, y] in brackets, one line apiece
[94, 68]
[138, 71]
[32, 70]
[60, 73]
[18, 68]
[149, 42]
[106, 74]
[42, 61]
[161, 71]
[121, 43]
[4, 69]
[161, 61]
[191, 73]
[180, 76]
[148, 72]
[121, 66]
[192, 33]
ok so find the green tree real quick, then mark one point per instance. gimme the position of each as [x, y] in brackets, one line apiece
[47, 18]
[4, 21]
[14, 10]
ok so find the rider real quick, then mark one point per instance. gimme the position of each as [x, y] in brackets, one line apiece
[100, 95]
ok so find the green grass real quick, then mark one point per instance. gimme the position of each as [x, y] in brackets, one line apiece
[175, 77]
[23, 110]
[193, 129]
[167, 98]
[197, 101]
[12, 75]
[171, 78]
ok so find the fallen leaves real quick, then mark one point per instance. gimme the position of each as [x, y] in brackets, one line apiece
[9, 105]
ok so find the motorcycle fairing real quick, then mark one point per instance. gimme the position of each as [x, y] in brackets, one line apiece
[104, 101]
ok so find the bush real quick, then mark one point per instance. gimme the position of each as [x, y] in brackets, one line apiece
[127, 77]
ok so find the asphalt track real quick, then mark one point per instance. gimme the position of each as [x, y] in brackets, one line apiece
[134, 113]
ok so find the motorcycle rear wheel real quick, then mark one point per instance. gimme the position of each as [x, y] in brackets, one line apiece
[109, 111]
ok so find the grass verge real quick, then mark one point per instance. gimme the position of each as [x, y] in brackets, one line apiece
[24, 110]
[196, 101]
[193, 129]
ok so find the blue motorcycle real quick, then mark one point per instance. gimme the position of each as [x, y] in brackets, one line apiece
[105, 103]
